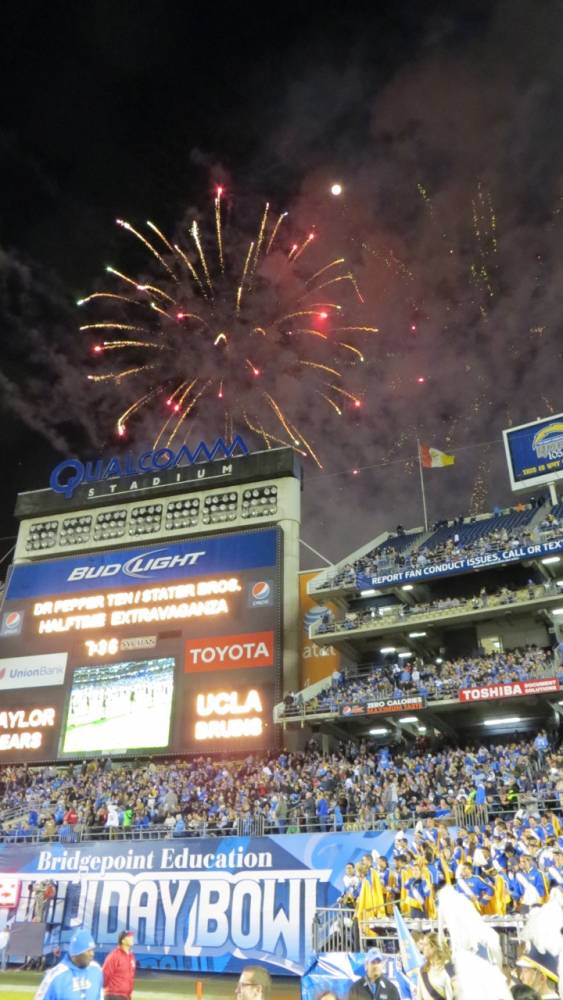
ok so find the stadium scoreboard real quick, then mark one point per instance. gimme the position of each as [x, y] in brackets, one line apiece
[534, 453]
[158, 624]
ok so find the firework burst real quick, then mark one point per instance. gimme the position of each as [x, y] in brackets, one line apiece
[246, 331]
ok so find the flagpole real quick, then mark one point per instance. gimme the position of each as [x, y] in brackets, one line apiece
[424, 510]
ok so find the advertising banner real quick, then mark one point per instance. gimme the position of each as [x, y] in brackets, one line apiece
[205, 904]
[384, 705]
[170, 648]
[541, 685]
[534, 452]
[460, 565]
[317, 662]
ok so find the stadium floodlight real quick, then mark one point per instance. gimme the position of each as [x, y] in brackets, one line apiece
[550, 559]
[368, 593]
[421, 729]
[405, 656]
[560, 702]
[557, 611]
[408, 718]
[439, 660]
[407, 586]
[379, 732]
[508, 720]
[387, 649]
[417, 635]
[559, 583]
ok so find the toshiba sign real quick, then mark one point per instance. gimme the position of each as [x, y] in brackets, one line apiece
[540, 685]
[230, 652]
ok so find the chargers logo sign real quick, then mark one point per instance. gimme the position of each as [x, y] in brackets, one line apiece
[548, 443]
[12, 623]
[261, 594]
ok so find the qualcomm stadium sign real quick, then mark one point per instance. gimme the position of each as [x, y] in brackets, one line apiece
[200, 904]
[71, 473]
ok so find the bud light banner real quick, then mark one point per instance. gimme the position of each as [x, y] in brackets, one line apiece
[534, 452]
[206, 905]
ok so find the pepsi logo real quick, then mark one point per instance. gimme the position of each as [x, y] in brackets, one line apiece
[11, 623]
[261, 590]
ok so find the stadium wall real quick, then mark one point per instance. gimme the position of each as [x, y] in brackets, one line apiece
[205, 905]
[512, 634]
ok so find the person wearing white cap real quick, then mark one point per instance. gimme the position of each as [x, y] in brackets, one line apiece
[77, 976]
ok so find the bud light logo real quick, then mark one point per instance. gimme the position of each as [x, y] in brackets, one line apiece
[261, 594]
[12, 623]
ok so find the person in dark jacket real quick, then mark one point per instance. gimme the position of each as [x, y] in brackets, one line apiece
[374, 985]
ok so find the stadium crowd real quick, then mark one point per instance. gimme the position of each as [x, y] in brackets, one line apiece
[412, 557]
[377, 617]
[505, 867]
[358, 787]
[435, 681]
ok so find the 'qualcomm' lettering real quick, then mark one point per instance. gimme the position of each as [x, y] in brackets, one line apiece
[70, 473]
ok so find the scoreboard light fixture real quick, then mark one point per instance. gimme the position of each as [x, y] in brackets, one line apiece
[135, 521]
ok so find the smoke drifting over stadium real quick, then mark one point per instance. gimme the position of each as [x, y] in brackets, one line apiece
[450, 160]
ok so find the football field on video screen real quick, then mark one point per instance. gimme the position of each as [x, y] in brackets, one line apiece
[119, 706]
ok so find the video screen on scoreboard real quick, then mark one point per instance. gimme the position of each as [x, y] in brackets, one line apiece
[113, 705]
[170, 648]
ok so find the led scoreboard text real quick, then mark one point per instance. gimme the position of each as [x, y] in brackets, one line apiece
[160, 649]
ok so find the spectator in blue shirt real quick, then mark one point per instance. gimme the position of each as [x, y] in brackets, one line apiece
[77, 975]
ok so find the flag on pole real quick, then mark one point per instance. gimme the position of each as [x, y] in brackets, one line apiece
[411, 958]
[431, 458]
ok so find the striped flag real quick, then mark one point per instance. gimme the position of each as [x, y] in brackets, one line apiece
[431, 458]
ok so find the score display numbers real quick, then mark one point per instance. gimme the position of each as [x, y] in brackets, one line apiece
[175, 648]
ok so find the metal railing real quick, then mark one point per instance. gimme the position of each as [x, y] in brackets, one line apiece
[469, 816]
[330, 709]
[338, 929]
[517, 599]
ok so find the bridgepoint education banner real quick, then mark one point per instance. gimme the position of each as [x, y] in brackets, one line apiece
[541, 685]
[202, 904]
[454, 566]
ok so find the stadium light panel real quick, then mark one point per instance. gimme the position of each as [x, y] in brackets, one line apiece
[368, 593]
[559, 583]
[509, 720]
[550, 559]
[405, 656]
[387, 649]
[417, 635]
[439, 660]
[378, 732]
[421, 729]
[408, 718]
[557, 611]
[407, 586]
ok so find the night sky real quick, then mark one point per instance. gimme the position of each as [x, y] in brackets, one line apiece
[443, 123]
